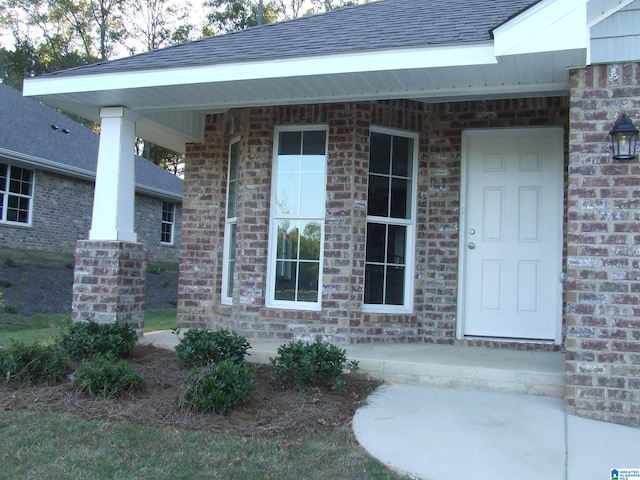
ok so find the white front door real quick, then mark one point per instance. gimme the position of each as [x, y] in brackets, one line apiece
[511, 234]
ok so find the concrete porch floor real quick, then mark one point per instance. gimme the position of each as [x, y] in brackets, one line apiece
[459, 367]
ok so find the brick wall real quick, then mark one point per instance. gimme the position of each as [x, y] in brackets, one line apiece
[62, 209]
[341, 318]
[603, 294]
[109, 282]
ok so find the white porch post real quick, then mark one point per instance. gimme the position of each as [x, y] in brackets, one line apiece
[114, 197]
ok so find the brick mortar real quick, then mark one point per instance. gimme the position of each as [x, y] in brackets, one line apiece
[603, 289]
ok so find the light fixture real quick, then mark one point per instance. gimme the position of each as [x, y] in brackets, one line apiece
[624, 135]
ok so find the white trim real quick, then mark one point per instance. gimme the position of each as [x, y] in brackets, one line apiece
[368, 61]
[547, 26]
[270, 301]
[409, 294]
[464, 179]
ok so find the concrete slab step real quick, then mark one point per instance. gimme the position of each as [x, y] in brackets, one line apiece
[445, 366]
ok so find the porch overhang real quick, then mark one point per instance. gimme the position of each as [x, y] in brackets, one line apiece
[172, 102]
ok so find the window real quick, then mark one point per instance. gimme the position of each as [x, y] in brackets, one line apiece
[231, 221]
[297, 217]
[390, 222]
[16, 194]
[168, 215]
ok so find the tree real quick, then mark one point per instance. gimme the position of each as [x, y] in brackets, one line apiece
[159, 23]
[233, 15]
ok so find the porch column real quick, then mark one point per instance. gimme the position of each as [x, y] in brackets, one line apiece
[114, 196]
[110, 268]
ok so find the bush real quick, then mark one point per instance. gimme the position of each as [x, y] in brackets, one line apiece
[86, 339]
[33, 364]
[306, 365]
[201, 347]
[106, 376]
[218, 387]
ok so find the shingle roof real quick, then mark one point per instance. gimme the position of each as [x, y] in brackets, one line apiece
[26, 130]
[385, 24]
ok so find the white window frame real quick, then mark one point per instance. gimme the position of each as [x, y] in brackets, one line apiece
[171, 223]
[4, 190]
[409, 223]
[226, 296]
[270, 301]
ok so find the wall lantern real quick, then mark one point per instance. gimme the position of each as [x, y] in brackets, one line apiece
[623, 138]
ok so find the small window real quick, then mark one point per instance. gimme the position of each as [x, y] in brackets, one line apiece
[231, 221]
[16, 194]
[390, 222]
[168, 216]
[297, 217]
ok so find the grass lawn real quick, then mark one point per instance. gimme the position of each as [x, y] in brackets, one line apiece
[53, 446]
[44, 328]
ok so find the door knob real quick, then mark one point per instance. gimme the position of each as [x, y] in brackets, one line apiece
[471, 245]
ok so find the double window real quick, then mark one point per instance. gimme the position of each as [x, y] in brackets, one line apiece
[231, 220]
[297, 217]
[16, 194]
[168, 221]
[390, 222]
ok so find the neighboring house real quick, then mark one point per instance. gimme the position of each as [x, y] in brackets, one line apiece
[47, 174]
[404, 171]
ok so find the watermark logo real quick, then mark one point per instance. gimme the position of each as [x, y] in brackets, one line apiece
[625, 474]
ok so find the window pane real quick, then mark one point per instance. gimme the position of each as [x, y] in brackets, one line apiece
[232, 259]
[376, 235]
[373, 284]
[285, 281]
[380, 153]
[395, 286]
[399, 196]
[18, 210]
[288, 193]
[314, 143]
[308, 282]
[312, 189]
[20, 181]
[378, 196]
[232, 195]
[287, 240]
[310, 241]
[396, 244]
[3, 176]
[166, 233]
[290, 143]
[401, 154]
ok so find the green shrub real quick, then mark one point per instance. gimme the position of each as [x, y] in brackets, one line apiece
[2, 304]
[218, 387]
[304, 365]
[33, 364]
[201, 347]
[106, 376]
[85, 339]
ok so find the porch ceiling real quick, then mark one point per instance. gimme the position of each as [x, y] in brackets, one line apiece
[172, 105]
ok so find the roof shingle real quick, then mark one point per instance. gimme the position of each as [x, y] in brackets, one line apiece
[386, 24]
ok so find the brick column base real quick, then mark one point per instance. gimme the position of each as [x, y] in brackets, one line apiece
[109, 282]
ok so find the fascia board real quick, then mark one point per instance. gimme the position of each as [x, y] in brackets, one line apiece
[49, 165]
[548, 26]
[399, 59]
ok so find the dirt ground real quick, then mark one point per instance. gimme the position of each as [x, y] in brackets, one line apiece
[272, 410]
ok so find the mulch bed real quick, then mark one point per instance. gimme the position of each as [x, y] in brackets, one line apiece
[272, 410]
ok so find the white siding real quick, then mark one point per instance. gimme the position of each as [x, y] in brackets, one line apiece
[617, 37]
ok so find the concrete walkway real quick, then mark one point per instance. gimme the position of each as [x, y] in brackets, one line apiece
[481, 426]
[436, 433]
